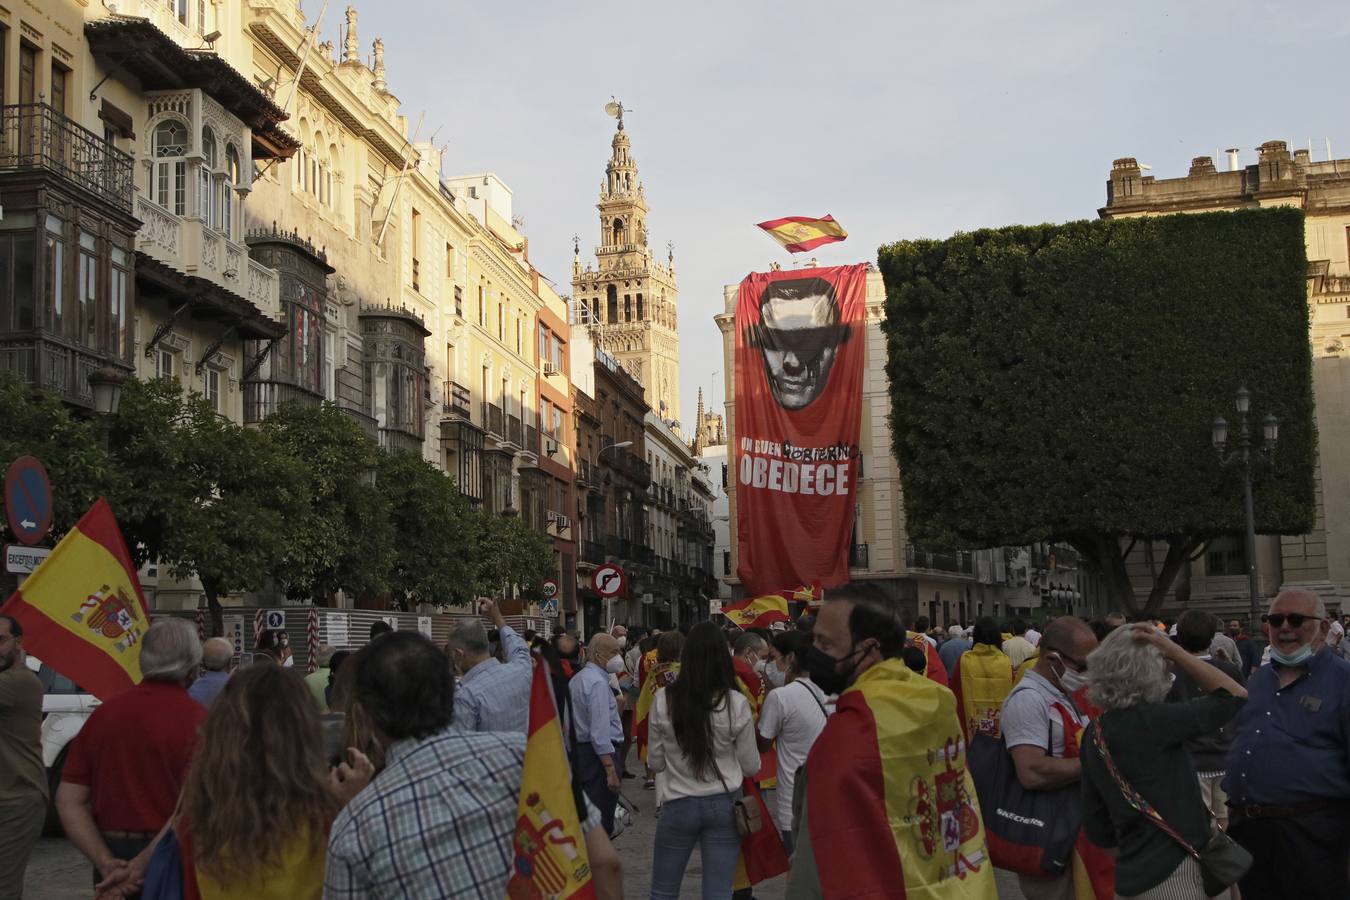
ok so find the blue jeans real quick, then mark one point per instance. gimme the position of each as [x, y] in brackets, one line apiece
[687, 821]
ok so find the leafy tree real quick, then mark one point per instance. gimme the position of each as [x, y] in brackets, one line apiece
[203, 495]
[507, 553]
[1058, 383]
[345, 540]
[70, 447]
[435, 532]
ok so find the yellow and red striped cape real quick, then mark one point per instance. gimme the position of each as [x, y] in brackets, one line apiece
[763, 855]
[655, 677]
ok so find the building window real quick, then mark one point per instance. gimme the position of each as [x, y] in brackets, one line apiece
[557, 431]
[17, 271]
[119, 291]
[211, 388]
[501, 321]
[206, 197]
[169, 186]
[557, 354]
[55, 261]
[482, 306]
[227, 193]
[543, 344]
[416, 249]
[60, 75]
[165, 364]
[1226, 555]
[459, 301]
[87, 291]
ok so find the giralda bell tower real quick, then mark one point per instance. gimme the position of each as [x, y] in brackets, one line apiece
[628, 300]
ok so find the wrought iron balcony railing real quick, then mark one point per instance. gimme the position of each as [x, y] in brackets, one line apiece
[36, 136]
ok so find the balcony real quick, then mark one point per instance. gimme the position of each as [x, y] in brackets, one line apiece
[857, 557]
[592, 552]
[186, 245]
[35, 137]
[531, 444]
[53, 364]
[513, 431]
[455, 400]
[953, 562]
[493, 420]
[262, 398]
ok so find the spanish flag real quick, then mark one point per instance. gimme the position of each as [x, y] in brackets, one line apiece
[800, 233]
[658, 676]
[758, 612]
[82, 609]
[890, 809]
[550, 850]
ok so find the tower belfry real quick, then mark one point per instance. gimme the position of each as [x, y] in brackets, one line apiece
[628, 300]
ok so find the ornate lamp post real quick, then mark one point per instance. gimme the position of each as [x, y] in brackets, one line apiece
[1248, 458]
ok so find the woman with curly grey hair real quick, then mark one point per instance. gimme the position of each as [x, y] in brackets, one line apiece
[1135, 759]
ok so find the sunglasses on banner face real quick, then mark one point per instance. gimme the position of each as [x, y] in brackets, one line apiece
[1295, 620]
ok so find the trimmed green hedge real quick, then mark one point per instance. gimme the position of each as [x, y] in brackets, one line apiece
[1055, 380]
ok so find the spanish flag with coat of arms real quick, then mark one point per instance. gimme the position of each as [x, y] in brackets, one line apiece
[890, 809]
[82, 609]
[758, 612]
[550, 849]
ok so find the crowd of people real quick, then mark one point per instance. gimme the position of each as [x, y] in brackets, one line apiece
[395, 770]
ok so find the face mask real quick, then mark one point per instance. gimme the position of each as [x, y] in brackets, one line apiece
[824, 670]
[1297, 658]
[759, 667]
[615, 665]
[1072, 682]
[775, 675]
[288, 662]
[623, 641]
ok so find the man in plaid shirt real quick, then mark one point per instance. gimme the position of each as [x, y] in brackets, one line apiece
[439, 820]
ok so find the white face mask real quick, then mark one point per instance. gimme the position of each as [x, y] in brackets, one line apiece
[623, 641]
[759, 666]
[615, 665]
[775, 675]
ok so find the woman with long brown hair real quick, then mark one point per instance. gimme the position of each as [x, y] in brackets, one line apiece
[702, 749]
[260, 796]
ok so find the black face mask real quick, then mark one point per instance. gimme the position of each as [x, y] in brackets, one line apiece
[823, 669]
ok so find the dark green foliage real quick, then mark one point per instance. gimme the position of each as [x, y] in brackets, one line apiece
[1060, 381]
[292, 501]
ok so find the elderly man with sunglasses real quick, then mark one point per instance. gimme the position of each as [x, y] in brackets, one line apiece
[1288, 781]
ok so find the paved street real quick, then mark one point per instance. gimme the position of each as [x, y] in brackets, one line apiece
[59, 872]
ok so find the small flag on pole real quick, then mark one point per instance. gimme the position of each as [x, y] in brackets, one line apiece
[801, 233]
[82, 610]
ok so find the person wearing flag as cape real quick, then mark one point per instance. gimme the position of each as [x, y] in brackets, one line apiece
[662, 672]
[884, 806]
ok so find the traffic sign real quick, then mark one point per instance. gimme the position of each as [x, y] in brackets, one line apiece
[550, 589]
[276, 620]
[21, 560]
[609, 580]
[28, 500]
[549, 607]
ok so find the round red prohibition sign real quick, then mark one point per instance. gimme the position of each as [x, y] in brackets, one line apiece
[609, 580]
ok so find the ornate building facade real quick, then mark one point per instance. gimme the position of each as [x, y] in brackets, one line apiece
[628, 300]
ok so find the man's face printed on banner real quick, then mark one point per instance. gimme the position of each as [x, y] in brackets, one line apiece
[799, 335]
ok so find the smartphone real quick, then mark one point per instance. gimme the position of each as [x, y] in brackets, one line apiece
[332, 727]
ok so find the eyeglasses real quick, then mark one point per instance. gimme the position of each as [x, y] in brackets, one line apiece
[1295, 620]
[1078, 665]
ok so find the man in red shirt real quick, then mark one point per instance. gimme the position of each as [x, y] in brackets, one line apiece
[125, 768]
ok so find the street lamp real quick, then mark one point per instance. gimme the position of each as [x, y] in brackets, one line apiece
[1247, 458]
[106, 383]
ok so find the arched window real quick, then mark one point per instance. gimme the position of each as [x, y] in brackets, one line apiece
[206, 195]
[618, 231]
[169, 175]
[231, 184]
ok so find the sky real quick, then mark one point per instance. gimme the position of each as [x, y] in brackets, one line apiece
[901, 119]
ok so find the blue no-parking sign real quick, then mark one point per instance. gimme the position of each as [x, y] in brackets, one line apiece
[28, 500]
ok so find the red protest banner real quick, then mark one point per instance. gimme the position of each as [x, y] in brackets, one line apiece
[799, 377]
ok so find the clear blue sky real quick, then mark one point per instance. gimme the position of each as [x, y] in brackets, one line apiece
[902, 119]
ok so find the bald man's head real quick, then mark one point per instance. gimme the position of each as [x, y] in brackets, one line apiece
[601, 648]
[216, 654]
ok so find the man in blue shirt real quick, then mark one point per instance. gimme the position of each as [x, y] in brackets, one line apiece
[1288, 779]
[951, 649]
[492, 695]
[216, 656]
[595, 718]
